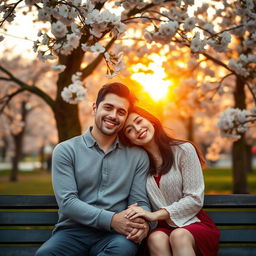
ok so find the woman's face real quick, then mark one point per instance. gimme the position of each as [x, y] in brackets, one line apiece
[138, 130]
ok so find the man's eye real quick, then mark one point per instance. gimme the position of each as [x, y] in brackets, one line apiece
[122, 113]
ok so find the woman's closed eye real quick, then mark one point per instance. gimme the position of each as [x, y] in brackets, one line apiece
[127, 131]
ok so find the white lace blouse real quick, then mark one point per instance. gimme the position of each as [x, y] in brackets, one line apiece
[181, 190]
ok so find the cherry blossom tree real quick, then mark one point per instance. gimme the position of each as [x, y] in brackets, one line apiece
[82, 34]
[15, 111]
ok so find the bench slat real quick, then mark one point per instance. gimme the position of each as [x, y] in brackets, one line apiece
[28, 202]
[49, 202]
[30, 251]
[28, 218]
[50, 218]
[13, 236]
[18, 250]
[237, 251]
[233, 201]
[233, 217]
[30, 236]
[238, 236]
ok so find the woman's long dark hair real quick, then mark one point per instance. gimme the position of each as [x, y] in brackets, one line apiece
[164, 142]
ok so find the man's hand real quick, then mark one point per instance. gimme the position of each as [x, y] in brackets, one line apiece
[124, 226]
[137, 235]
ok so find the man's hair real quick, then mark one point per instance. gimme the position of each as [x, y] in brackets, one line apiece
[119, 89]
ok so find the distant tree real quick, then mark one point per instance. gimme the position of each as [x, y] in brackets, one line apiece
[82, 35]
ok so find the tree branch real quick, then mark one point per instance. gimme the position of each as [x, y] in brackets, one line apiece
[7, 98]
[26, 87]
[217, 61]
[10, 12]
[90, 68]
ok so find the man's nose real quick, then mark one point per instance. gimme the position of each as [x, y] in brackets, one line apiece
[113, 114]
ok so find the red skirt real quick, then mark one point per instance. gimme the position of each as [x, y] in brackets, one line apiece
[205, 233]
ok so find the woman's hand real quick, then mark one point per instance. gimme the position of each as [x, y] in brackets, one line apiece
[136, 211]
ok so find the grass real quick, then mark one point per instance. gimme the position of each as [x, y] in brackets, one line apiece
[217, 181]
[36, 182]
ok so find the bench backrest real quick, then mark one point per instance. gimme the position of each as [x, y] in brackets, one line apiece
[27, 221]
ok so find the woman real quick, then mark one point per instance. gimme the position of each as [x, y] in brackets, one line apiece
[175, 187]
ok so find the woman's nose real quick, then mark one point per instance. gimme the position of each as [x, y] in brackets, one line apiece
[137, 128]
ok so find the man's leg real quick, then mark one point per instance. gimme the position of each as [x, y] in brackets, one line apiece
[114, 245]
[71, 241]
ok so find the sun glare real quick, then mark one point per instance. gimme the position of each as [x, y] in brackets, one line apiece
[154, 82]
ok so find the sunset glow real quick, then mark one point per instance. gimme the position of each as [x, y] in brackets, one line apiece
[152, 77]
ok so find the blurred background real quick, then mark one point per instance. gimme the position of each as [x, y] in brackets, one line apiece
[186, 89]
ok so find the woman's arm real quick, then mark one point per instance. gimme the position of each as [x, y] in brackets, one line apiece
[135, 212]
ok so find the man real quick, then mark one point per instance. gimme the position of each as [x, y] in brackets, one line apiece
[95, 179]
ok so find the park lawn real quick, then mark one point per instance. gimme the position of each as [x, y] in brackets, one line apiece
[217, 181]
[29, 183]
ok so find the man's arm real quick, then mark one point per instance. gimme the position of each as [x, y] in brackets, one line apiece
[138, 194]
[67, 196]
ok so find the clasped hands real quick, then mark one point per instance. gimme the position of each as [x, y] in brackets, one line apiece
[131, 223]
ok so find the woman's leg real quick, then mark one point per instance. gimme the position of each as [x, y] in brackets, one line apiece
[182, 243]
[158, 244]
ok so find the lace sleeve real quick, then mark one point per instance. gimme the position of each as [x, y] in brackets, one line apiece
[192, 187]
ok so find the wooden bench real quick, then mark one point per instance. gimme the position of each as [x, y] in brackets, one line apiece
[26, 222]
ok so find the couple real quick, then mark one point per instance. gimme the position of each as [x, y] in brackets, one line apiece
[103, 179]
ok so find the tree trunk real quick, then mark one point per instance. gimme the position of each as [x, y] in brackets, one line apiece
[249, 158]
[190, 128]
[18, 144]
[4, 148]
[239, 166]
[239, 149]
[17, 156]
[67, 115]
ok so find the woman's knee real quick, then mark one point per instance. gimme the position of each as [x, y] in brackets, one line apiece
[181, 237]
[157, 239]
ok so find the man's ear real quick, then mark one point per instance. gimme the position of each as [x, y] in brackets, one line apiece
[94, 108]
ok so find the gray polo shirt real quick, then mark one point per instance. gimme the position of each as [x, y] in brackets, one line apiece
[91, 186]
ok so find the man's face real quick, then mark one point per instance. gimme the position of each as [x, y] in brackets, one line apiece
[111, 114]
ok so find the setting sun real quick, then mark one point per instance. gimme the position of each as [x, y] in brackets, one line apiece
[154, 82]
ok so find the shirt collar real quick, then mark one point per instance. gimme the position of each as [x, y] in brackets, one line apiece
[90, 140]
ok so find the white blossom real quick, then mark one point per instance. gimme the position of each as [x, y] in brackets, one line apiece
[197, 44]
[63, 10]
[58, 68]
[237, 67]
[85, 47]
[189, 24]
[169, 29]
[1, 38]
[59, 30]
[75, 92]
[233, 122]
[73, 40]
[44, 14]
[97, 48]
